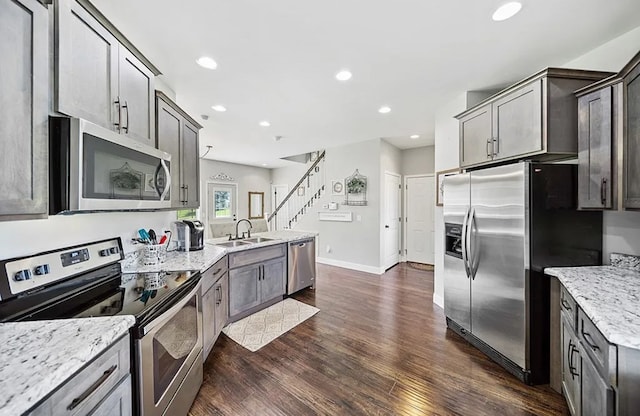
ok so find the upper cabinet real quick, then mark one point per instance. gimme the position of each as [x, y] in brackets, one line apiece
[609, 141]
[535, 118]
[98, 78]
[24, 99]
[178, 134]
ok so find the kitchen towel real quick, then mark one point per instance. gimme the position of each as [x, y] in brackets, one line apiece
[257, 330]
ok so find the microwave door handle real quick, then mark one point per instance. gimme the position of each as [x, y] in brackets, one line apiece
[465, 259]
[167, 185]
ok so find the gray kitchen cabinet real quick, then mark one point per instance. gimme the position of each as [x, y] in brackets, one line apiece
[24, 98]
[532, 119]
[257, 278]
[596, 149]
[178, 134]
[244, 288]
[597, 396]
[475, 137]
[215, 300]
[570, 368]
[631, 79]
[101, 387]
[97, 78]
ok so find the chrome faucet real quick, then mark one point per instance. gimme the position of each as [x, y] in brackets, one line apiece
[248, 231]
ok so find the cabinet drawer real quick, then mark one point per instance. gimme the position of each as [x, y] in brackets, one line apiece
[118, 402]
[596, 346]
[213, 274]
[90, 386]
[256, 255]
[568, 307]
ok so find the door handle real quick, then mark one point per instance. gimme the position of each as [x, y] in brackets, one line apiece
[76, 402]
[464, 243]
[571, 350]
[186, 190]
[603, 191]
[589, 340]
[118, 125]
[470, 255]
[126, 111]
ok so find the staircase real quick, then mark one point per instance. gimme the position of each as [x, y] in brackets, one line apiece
[301, 198]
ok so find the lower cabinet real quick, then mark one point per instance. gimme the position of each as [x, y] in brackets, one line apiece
[259, 282]
[570, 368]
[597, 394]
[215, 304]
[118, 402]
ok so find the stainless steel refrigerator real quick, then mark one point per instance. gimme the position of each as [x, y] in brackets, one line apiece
[503, 226]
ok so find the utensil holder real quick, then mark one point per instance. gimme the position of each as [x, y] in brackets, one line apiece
[153, 254]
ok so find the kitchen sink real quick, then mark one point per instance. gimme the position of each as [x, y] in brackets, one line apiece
[233, 244]
[257, 239]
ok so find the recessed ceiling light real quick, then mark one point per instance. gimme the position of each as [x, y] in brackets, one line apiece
[506, 11]
[219, 108]
[265, 123]
[384, 109]
[414, 136]
[264, 164]
[206, 62]
[344, 75]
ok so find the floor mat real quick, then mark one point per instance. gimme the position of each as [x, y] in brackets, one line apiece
[421, 266]
[257, 330]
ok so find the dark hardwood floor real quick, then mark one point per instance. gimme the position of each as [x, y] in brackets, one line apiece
[378, 346]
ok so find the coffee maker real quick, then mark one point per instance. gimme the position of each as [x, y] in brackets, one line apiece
[189, 235]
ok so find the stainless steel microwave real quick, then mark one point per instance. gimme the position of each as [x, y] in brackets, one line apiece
[94, 169]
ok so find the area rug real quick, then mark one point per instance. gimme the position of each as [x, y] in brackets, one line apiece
[421, 266]
[257, 330]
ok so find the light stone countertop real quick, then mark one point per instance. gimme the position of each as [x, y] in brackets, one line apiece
[39, 356]
[205, 258]
[609, 296]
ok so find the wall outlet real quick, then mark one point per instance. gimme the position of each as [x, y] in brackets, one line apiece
[358, 217]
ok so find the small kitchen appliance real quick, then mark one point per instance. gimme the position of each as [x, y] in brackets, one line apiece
[196, 234]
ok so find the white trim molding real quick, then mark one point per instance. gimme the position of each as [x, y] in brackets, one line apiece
[438, 300]
[352, 266]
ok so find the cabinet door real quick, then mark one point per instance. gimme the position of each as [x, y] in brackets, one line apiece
[517, 122]
[595, 149]
[597, 395]
[136, 89]
[570, 368]
[274, 275]
[86, 67]
[168, 140]
[632, 139]
[475, 137]
[244, 291]
[24, 98]
[209, 300]
[222, 303]
[118, 403]
[190, 166]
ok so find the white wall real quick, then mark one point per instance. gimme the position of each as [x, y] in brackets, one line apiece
[248, 179]
[621, 229]
[20, 238]
[419, 160]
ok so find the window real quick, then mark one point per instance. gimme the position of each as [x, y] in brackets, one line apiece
[221, 202]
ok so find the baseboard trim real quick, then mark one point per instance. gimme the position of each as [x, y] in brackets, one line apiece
[351, 266]
[438, 300]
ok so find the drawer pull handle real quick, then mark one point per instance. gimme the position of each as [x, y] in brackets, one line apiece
[217, 271]
[570, 352]
[589, 340]
[76, 402]
[565, 304]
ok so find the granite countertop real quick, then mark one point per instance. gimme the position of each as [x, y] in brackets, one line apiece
[205, 258]
[39, 356]
[608, 295]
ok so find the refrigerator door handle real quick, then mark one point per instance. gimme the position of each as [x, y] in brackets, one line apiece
[473, 263]
[465, 255]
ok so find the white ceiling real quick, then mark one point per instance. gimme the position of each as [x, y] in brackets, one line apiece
[277, 60]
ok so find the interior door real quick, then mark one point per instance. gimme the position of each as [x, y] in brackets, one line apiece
[419, 226]
[457, 284]
[497, 241]
[391, 219]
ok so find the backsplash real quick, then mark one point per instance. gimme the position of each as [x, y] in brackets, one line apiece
[625, 261]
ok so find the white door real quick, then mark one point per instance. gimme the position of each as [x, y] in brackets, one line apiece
[278, 193]
[419, 228]
[391, 220]
[222, 202]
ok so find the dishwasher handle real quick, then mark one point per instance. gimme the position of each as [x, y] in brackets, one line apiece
[300, 243]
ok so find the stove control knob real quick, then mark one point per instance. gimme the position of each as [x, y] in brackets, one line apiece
[114, 250]
[104, 253]
[42, 269]
[22, 275]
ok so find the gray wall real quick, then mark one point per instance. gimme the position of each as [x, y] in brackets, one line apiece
[418, 161]
[248, 179]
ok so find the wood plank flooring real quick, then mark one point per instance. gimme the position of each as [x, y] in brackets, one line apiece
[378, 346]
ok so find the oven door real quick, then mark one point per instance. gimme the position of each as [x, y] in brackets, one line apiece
[170, 346]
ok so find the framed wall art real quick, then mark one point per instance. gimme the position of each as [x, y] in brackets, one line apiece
[337, 188]
[440, 184]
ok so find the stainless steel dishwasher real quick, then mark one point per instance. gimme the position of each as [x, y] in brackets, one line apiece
[302, 264]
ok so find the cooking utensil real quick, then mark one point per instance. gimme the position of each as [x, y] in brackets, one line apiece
[144, 235]
[152, 236]
[163, 239]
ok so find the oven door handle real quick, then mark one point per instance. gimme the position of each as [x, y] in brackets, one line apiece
[168, 314]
